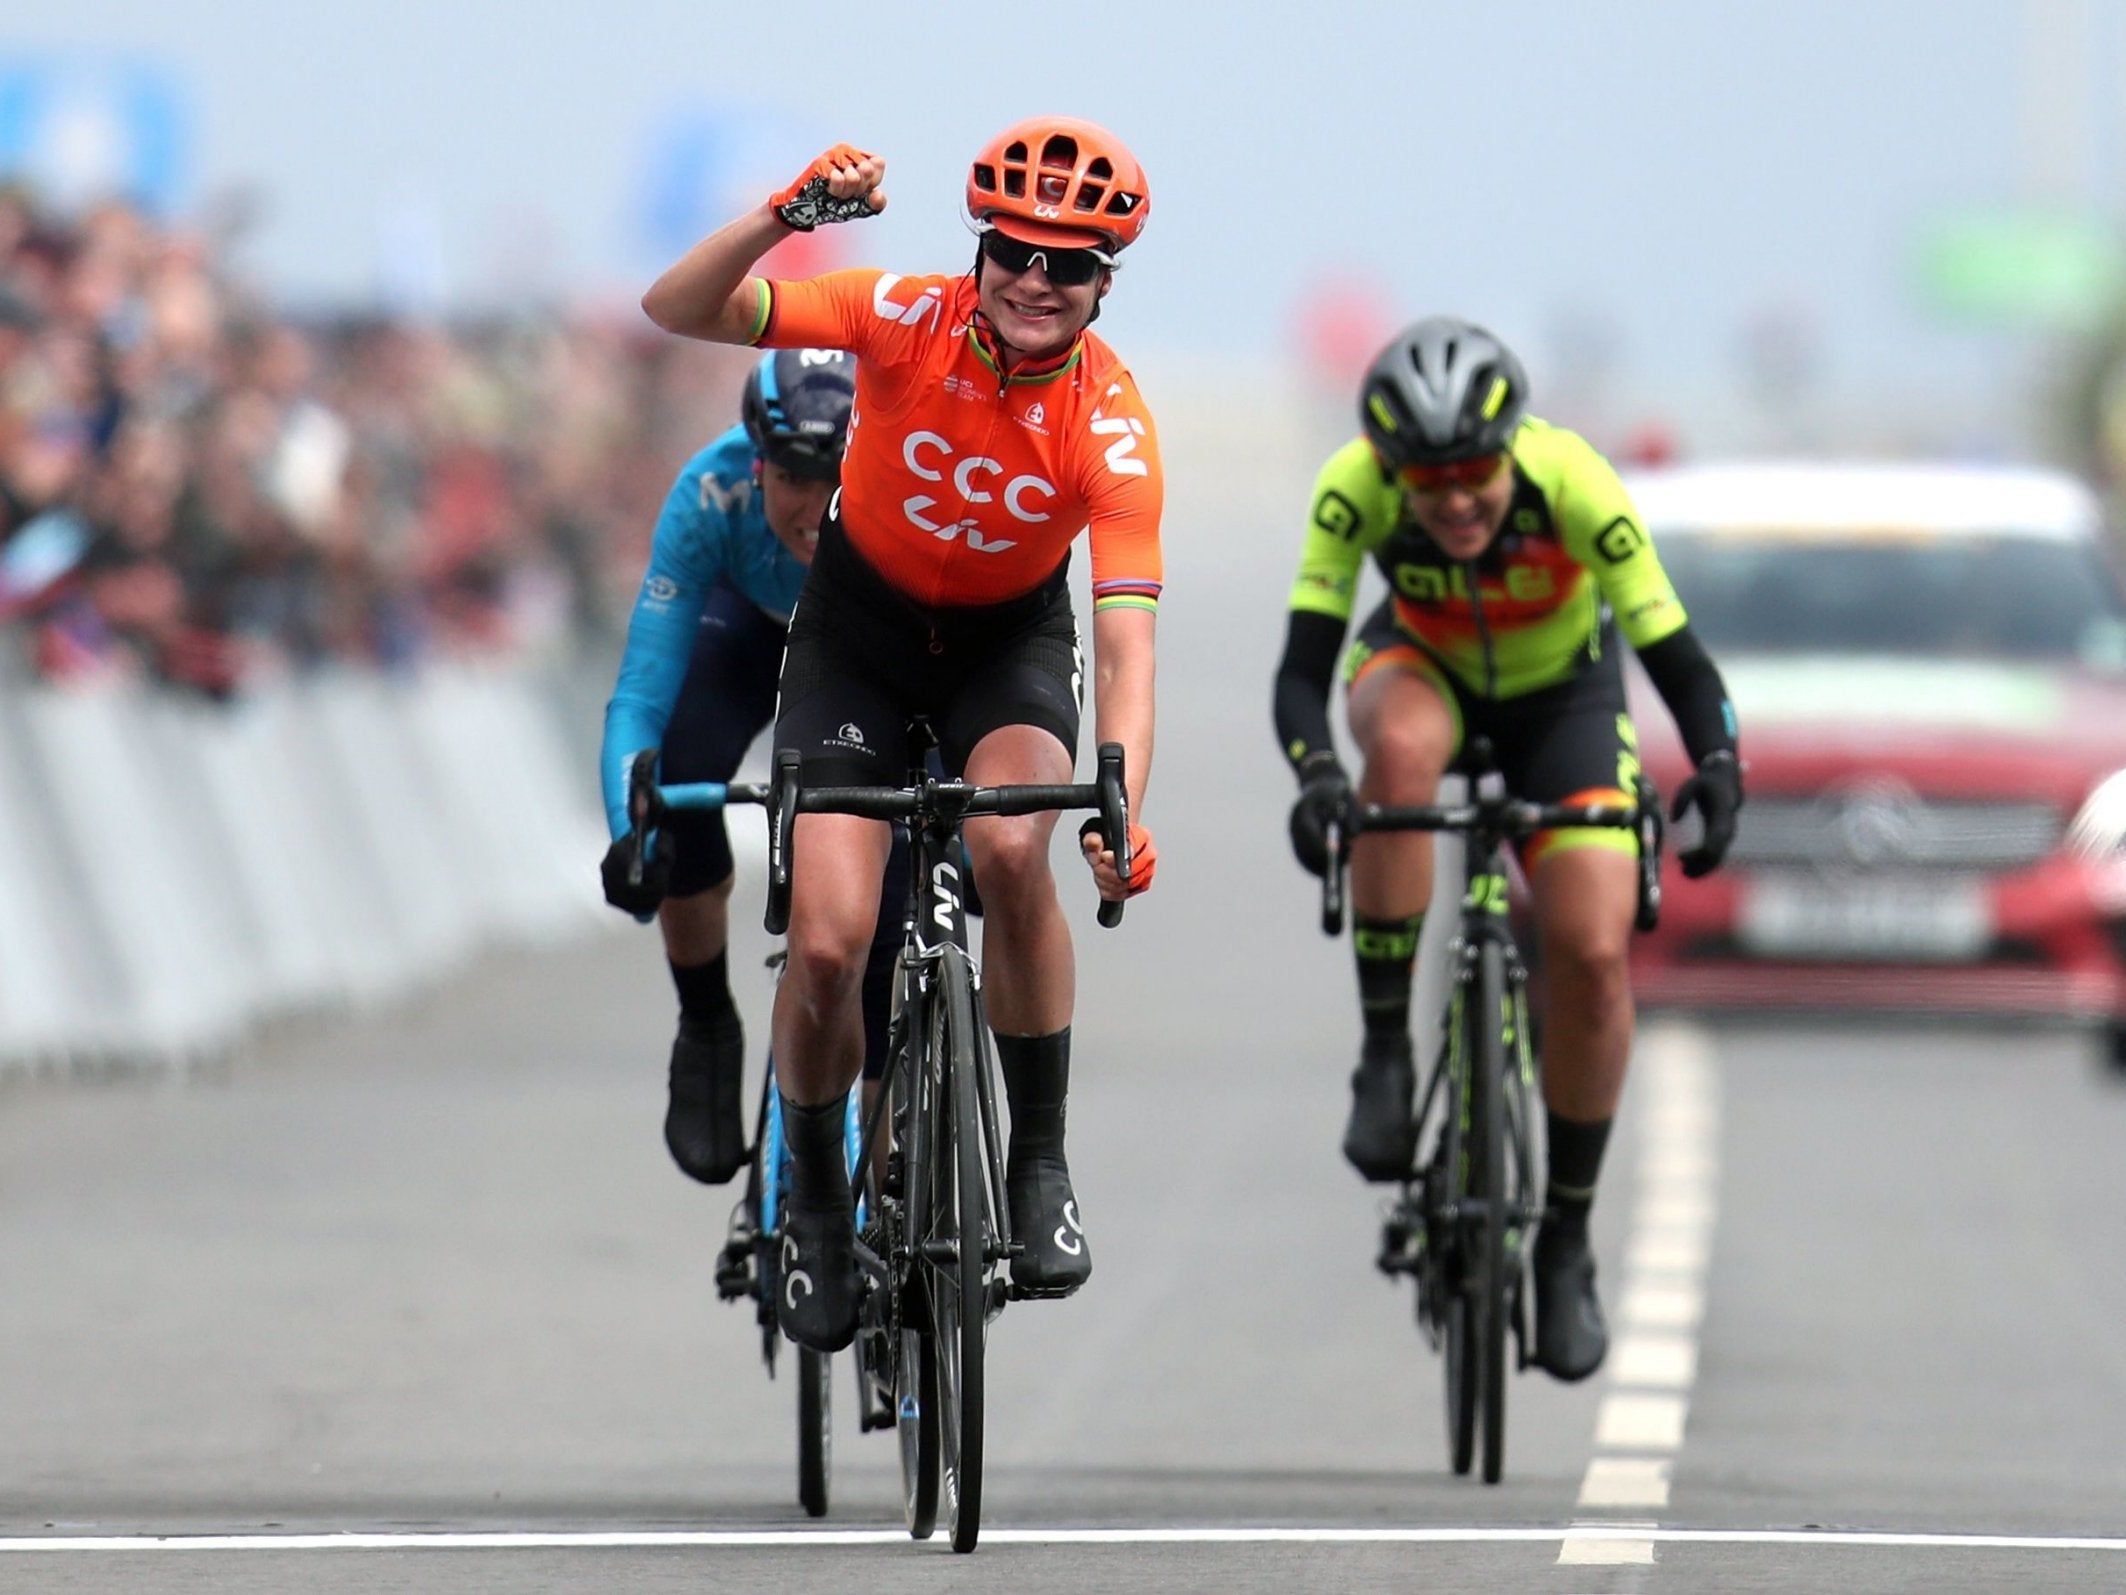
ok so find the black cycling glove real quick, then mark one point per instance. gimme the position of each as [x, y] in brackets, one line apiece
[629, 897]
[1715, 791]
[1324, 795]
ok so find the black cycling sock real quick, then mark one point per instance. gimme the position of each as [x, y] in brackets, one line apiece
[1387, 950]
[1036, 1073]
[1575, 1164]
[704, 989]
[819, 1162]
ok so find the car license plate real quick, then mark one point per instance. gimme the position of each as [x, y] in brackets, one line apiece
[1935, 919]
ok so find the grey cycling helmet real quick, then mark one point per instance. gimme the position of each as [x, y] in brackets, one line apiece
[1443, 390]
[796, 409]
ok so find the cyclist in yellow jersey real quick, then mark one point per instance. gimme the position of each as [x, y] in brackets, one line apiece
[1513, 558]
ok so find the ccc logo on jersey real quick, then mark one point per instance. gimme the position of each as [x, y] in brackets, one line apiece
[973, 477]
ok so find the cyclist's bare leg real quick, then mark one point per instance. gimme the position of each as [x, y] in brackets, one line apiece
[1407, 734]
[1029, 968]
[696, 928]
[1585, 897]
[819, 1051]
[819, 1019]
[1029, 979]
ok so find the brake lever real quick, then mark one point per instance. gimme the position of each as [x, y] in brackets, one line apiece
[1332, 880]
[1114, 823]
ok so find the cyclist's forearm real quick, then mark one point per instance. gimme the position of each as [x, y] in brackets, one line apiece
[1689, 683]
[708, 292]
[1300, 702]
[1123, 675]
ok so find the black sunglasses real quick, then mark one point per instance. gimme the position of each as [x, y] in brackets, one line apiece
[1066, 268]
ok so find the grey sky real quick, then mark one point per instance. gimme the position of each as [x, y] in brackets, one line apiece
[1639, 181]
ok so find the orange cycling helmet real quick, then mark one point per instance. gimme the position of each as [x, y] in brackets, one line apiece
[1061, 181]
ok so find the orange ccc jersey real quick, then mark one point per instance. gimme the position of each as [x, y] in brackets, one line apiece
[965, 485]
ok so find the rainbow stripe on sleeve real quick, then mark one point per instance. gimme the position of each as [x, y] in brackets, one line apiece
[1128, 594]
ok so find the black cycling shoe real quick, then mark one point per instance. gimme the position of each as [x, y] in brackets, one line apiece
[1380, 1139]
[1044, 1221]
[1570, 1337]
[704, 1126]
[817, 1278]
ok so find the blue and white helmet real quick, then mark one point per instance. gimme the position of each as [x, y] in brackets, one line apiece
[796, 409]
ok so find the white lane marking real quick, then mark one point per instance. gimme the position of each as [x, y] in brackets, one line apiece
[1651, 1304]
[1654, 1362]
[1669, 1252]
[1626, 1481]
[1250, 1535]
[1607, 1551]
[1641, 1422]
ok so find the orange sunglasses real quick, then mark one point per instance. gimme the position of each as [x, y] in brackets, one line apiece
[1455, 473]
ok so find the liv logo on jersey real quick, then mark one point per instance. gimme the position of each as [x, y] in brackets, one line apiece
[929, 305]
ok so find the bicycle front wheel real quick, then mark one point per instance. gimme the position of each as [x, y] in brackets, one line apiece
[960, 1246]
[1491, 1299]
[915, 1374]
[815, 1442]
[1448, 1192]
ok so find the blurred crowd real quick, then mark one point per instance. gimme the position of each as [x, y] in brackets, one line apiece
[197, 489]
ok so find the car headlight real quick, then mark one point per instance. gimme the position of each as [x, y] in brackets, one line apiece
[2098, 829]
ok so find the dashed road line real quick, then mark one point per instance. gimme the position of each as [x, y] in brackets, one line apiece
[1653, 1363]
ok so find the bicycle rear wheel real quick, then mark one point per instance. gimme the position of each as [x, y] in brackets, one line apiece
[1491, 1300]
[960, 1246]
[815, 1443]
[916, 1420]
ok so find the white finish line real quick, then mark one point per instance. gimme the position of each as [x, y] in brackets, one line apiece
[1579, 1534]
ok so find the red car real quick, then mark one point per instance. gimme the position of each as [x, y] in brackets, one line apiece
[1929, 666]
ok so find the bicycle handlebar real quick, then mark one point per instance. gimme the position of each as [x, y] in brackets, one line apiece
[787, 797]
[648, 803]
[1503, 819]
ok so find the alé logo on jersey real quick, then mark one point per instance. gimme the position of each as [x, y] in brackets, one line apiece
[929, 305]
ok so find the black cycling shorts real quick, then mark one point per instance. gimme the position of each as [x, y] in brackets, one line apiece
[1572, 741]
[863, 659]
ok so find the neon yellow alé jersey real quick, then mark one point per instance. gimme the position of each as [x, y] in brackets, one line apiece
[1571, 554]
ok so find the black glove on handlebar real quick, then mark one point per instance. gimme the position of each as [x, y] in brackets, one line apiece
[642, 900]
[1324, 795]
[1715, 791]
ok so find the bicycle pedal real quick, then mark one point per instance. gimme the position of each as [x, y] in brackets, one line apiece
[734, 1276]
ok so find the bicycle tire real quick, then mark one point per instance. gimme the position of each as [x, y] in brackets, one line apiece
[916, 1421]
[1488, 1177]
[815, 1439]
[915, 1379]
[1458, 1354]
[960, 1229]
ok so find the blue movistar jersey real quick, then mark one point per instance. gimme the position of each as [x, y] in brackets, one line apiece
[712, 531]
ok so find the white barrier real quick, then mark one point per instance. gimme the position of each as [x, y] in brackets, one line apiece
[172, 871]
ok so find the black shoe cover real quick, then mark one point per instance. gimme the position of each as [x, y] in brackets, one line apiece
[817, 1280]
[1044, 1221]
[1380, 1141]
[704, 1125]
[1570, 1338]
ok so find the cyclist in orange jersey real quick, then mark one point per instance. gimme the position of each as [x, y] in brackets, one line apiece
[990, 428]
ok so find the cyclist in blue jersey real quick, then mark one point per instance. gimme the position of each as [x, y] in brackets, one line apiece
[697, 682]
